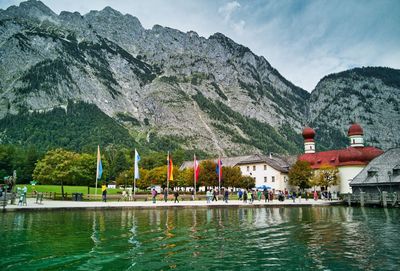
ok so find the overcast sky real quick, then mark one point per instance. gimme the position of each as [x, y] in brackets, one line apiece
[304, 40]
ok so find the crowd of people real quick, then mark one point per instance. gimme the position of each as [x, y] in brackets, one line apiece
[250, 195]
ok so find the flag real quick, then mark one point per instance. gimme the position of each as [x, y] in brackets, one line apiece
[170, 168]
[137, 159]
[196, 169]
[99, 169]
[219, 169]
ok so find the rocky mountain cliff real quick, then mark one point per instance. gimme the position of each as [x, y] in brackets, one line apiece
[161, 86]
[210, 94]
[369, 96]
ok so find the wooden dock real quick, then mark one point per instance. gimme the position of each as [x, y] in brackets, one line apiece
[383, 199]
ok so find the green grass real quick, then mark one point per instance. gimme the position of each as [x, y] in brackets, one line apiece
[68, 189]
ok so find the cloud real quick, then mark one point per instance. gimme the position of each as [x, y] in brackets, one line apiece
[227, 11]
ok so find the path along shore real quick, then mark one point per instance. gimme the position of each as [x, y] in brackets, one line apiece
[66, 205]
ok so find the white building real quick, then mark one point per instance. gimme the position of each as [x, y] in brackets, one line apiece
[270, 171]
[349, 161]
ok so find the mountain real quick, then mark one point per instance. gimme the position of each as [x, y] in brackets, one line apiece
[369, 96]
[201, 93]
[163, 89]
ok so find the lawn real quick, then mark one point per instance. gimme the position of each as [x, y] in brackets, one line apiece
[68, 189]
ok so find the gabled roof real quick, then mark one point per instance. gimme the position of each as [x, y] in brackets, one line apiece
[383, 165]
[274, 161]
[343, 157]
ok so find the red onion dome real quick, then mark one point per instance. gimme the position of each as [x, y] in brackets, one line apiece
[308, 134]
[355, 129]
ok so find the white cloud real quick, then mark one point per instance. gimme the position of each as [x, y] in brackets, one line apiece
[227, 10]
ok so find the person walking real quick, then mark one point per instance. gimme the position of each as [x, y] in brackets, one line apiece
[294, 196]
[240, 194]
[259, 194]
[165, 194]
[226, 195]
[154, 195]
[266, 198]
[208, 196]
[245, 196]
[330, 196]
[215, 195]
[315, 195]
[104, 192]
[176, 195]
[192, 192]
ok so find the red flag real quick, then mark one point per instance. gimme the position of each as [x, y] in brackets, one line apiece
[196, 169]
[170, 170]
[219, 169]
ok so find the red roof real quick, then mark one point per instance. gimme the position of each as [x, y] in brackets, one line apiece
[343, 157]
[355, 129]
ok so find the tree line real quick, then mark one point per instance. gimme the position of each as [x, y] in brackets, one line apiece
[65, 167]
[302, 176]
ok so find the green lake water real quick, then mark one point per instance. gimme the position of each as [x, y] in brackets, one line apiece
[291, 238]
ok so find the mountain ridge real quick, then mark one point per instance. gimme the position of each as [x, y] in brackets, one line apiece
[210, 93]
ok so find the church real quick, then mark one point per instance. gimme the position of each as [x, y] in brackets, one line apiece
[349, 161]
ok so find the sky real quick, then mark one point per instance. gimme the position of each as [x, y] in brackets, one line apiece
[303, 40]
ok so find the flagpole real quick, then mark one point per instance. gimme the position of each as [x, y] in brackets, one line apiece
[194, 174]
[168, 174]
[134, 176]
[97, 171]
[219, 175]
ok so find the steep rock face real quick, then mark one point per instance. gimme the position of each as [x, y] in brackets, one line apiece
[369, 96]
[211, 94]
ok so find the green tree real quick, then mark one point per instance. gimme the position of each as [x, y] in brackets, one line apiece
[232, 177]
[27, 164]
[247, 182]
[125, 177]
[117, 160]
[327, 176]
[142, 182]
[300, 175]
[7, 154]
[208, 175]
[87, 166]
[57, 167]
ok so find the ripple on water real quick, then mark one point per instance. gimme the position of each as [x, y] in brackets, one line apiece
[316, 238]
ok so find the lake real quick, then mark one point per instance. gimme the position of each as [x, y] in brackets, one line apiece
[232, 238]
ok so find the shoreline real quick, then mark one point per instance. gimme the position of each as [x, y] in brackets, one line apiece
[56, 205]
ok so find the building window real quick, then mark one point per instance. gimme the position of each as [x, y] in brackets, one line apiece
[248, 168]
[265, 167]
[273, 179]
[254, 168]
[265, 179]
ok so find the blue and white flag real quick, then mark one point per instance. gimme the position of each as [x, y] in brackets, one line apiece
[99, 169]
[137, 159]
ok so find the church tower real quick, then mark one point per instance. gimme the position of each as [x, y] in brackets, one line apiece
[309, 144]
[356, 135]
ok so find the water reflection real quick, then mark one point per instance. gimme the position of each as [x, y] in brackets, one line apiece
[322, 238]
